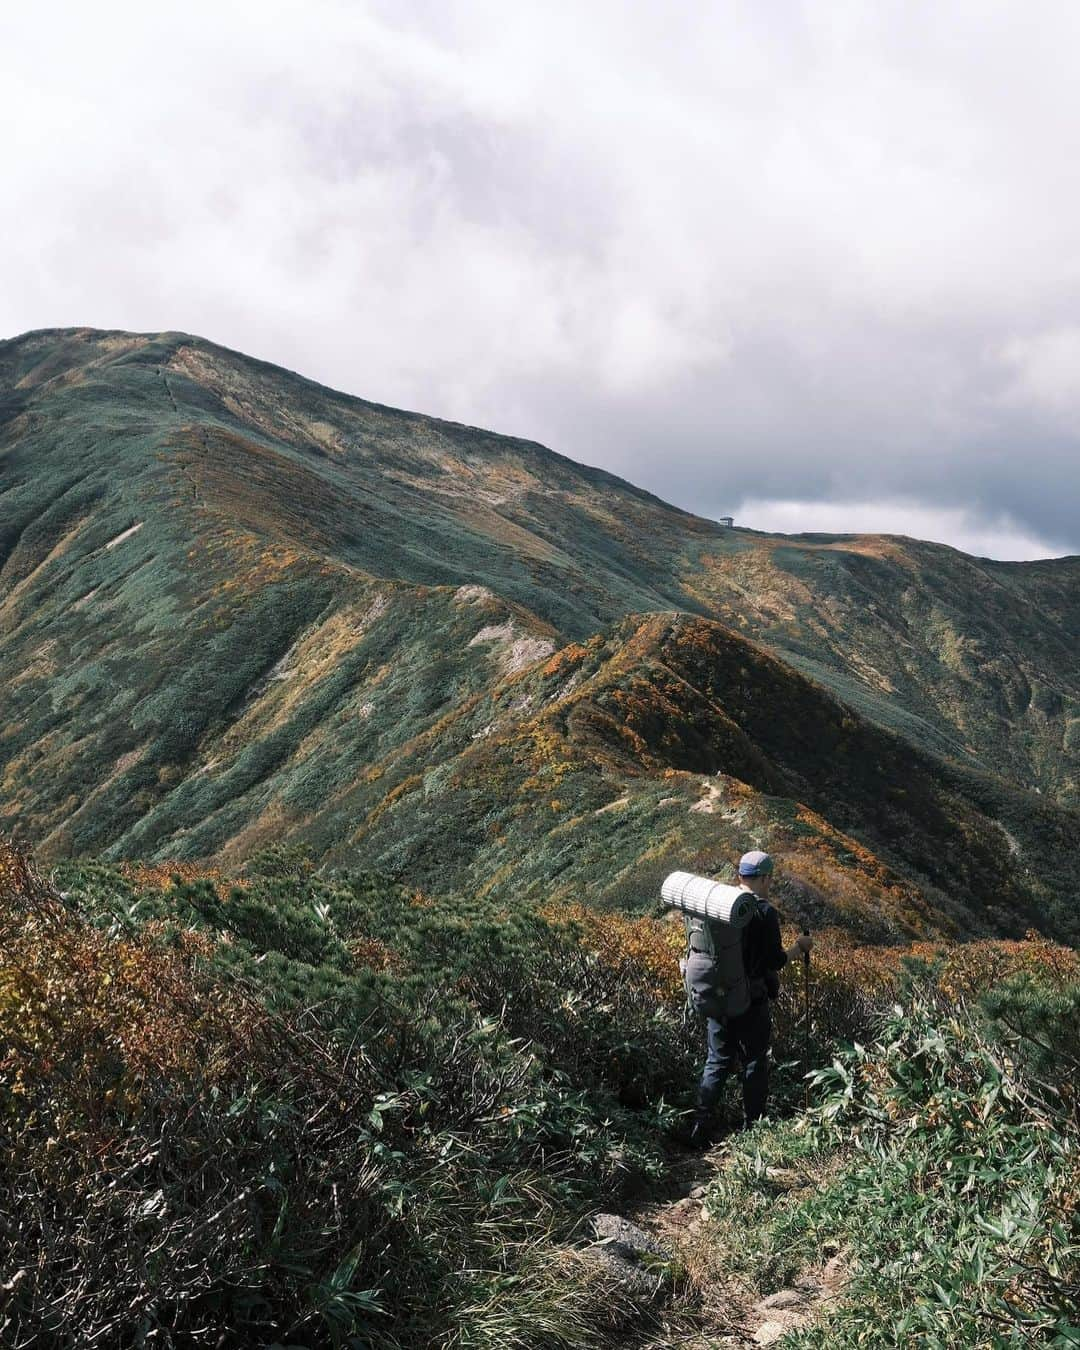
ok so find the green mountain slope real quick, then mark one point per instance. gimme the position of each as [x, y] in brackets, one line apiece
[236, 606]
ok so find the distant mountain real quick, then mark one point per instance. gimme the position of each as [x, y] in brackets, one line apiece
[237, 607]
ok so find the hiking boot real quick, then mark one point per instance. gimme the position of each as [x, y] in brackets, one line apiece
[697, 1135]
[702, 1135]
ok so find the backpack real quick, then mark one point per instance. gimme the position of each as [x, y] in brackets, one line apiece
[714, 973]
[715, 915]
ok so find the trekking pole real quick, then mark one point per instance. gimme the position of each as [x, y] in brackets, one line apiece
[806, 1022]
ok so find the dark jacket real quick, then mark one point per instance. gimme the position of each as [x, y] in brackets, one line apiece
[763, 951]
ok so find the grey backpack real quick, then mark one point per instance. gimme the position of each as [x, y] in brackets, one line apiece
[713, 969]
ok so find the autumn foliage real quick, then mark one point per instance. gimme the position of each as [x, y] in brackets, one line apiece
[293, 1109]
[330, 1111]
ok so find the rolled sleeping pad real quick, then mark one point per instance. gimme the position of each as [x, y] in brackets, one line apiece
[708, 899]
[715, 980]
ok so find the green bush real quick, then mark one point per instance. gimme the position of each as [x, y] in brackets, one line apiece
[944, 1171]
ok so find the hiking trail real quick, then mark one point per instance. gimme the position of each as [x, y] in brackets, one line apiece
[729, 1313]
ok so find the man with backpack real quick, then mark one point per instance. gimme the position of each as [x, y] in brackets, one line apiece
[738, 1032]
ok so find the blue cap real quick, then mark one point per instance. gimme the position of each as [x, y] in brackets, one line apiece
[755, 864]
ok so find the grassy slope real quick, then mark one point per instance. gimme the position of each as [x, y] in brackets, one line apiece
[283, 645]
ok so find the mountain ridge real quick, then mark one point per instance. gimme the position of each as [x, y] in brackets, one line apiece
[210, 567]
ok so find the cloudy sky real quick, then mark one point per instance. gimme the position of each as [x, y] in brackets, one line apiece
[816, 265]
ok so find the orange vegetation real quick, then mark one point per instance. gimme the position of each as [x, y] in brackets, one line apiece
[84, 1006]
[163, 875]
[963, 969]
[371, 954]
[571, 655]
[645, 950]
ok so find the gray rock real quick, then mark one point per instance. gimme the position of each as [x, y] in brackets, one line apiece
[626, 1238]
[783, 1298]
[634, 1257]
[770, 1333]
[834, 1276]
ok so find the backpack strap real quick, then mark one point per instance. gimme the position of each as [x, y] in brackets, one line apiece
[759, 984]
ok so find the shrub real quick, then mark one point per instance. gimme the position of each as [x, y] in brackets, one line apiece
[330, 1110]
[943, 1171]
[221, 1112]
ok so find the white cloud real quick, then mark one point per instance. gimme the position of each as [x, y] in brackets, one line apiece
[1001, 538]
[795, 251]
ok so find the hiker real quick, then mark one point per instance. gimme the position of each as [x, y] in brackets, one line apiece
[744, 1039]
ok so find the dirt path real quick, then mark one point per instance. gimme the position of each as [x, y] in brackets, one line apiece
[729, 1314]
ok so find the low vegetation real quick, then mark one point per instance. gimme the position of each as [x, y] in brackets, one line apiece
[322, 1111]
[940, 1165]
[328, 1111]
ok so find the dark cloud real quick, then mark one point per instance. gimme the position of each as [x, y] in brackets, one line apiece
[805, 263]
